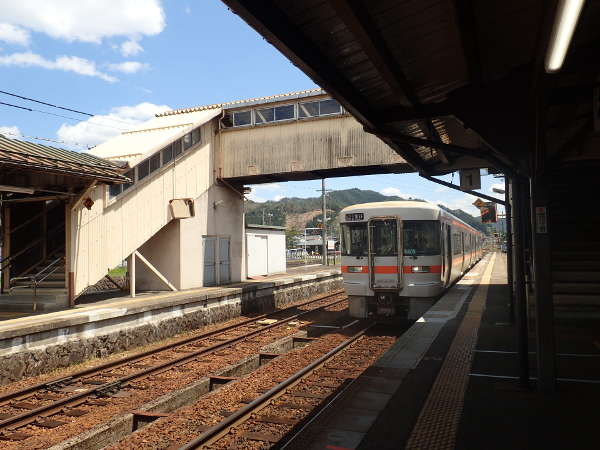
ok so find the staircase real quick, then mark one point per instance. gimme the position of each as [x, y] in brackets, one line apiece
[43, 289]
[574, 227]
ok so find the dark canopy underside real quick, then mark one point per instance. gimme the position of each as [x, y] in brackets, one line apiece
[466, 77]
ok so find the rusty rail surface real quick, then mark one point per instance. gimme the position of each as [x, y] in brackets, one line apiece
[224, 427]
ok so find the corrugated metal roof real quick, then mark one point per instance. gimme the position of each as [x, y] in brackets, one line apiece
[134, 145]
[27, 155]
[247, 102]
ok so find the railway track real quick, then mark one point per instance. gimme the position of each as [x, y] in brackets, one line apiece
[41, 405]
[277, 414]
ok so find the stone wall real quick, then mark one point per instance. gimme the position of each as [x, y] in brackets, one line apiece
[36, 353]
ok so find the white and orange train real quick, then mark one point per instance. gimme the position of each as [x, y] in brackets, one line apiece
[398, 257]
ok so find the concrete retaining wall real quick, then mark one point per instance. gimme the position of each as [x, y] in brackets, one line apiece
[39, 344]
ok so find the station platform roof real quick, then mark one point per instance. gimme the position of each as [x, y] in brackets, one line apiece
[447, 84]
[17, 154]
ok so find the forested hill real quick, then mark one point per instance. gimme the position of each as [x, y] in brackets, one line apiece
[296, 212]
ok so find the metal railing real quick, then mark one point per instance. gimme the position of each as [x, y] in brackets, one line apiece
[302, 258]
[41, 275]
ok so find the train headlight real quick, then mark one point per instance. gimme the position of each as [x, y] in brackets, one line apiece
[355, 269]
[420, 269]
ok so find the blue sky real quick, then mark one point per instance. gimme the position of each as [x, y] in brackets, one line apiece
[126, 61]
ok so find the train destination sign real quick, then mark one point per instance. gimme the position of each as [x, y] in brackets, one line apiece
[355, 216]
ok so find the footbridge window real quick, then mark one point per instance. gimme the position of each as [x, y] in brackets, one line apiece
[319, 108]
[293, 111]
[157, 160]
[242, 118]
[275, 114]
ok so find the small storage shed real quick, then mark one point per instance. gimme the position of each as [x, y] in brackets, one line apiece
[265, 250]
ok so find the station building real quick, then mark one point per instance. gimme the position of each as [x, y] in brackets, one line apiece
[174, 207]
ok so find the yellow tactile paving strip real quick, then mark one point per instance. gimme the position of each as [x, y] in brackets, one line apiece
[438, 422]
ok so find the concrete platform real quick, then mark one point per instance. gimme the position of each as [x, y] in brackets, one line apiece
[349, 421]
[451, 382]
[36, 344]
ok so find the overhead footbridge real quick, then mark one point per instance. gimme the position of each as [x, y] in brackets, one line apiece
[174, 210]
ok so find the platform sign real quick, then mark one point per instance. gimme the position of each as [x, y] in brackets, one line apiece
[479, 203]
[541, 220]
[470, 179]
[488, 213]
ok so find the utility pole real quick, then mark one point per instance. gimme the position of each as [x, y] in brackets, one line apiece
[324, 235]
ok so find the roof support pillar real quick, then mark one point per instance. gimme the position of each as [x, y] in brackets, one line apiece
[509, 249]
[519, 216]
[544, 301]
[131, 269]
[5, 247]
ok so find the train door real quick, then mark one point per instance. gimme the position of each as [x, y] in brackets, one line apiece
[385, 253]
[447, 255]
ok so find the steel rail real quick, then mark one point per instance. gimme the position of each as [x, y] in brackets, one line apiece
[31, 415]
[219, 430]
[139, 356]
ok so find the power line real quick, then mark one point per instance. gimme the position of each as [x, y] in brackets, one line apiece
[46, 139]
[60, 115]
[47, 104]
[60, 107]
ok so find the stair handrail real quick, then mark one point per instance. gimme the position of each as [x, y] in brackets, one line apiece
[40, 276]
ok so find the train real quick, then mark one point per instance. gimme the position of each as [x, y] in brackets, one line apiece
[398, 257]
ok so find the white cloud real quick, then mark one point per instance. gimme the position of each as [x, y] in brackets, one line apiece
[442, 189]
[264, 192]
[13, 34]
[74, 64]
[392, 191]
[128, 67]
[100, 128]
[269, 187]
[465, 202]
[255, 198]
[130, 48]
[10, 132]
[86, 20]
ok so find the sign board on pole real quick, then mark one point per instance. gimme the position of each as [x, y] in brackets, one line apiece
[470, 179]
[479, 203]
[488, 213]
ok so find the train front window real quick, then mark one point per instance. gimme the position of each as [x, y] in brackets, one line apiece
[354, 239]
[385, 237]
[421, 237]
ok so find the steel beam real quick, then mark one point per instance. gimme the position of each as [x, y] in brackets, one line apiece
[357, 19]
[408, 152]
[480, 153]
[466, 191]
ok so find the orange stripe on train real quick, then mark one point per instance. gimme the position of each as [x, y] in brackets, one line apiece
[391, 269]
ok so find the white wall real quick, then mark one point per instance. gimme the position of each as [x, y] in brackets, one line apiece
[264, 259]
[226, 219]
[113, 228]
[163, 251]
